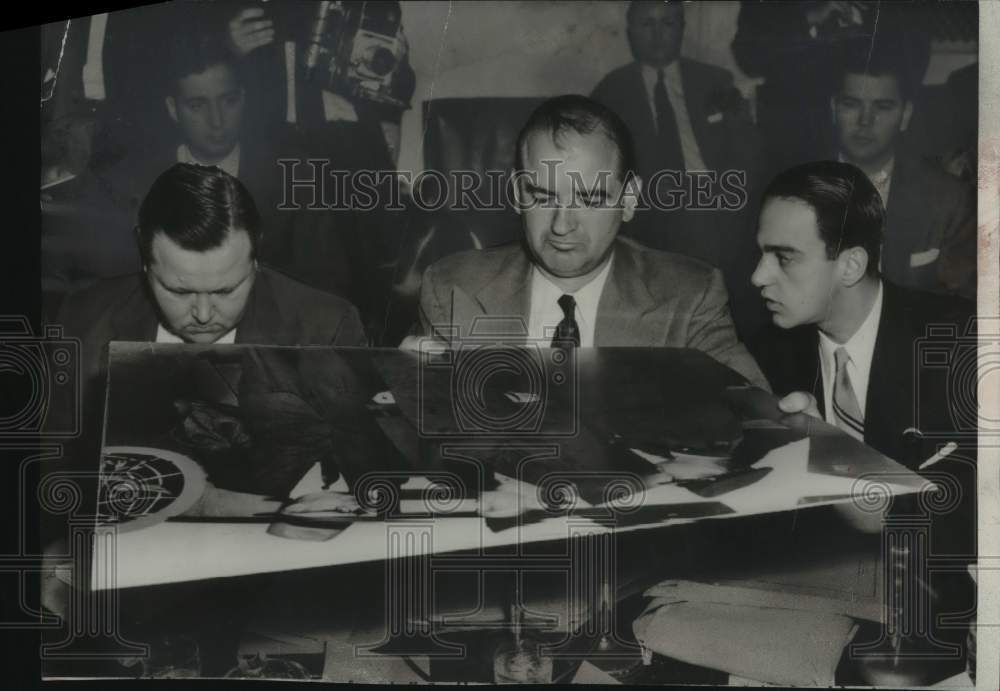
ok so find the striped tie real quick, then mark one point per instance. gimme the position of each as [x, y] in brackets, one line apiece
[845, 404]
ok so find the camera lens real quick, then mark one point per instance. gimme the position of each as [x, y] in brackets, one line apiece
[382, 61]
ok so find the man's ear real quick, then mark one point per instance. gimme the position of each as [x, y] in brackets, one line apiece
[171, 107]
[853, 265]
[630, 197]
[907, 114]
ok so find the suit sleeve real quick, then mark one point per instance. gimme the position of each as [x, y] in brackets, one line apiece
[711, 331]
[957, 265]
[432, 310]
[350, 332]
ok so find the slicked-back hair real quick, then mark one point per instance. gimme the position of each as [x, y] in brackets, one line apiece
[196, 207]
[575, 114]
[194, 53]
[891, 55]
[848, 208]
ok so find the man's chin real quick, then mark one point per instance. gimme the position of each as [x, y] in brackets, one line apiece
[201, 337]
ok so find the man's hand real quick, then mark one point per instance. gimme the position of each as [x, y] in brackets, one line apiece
[800, 402]
[249, 30]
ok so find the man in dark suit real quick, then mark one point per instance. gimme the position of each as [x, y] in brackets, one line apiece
[849, 347]
[199, 234]
[693, 129]
[572, 279]
[930, 231]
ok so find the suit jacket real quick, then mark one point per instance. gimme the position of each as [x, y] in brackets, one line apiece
[728, 140]
[725, 135]
[910, 387]
[279, 311]
[930, 231]
[651, 298]
[903, 391]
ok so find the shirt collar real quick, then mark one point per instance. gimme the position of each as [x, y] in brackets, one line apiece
[587, 297]
[861, 345]
[880, 177]
[230, 164]
[671, 75]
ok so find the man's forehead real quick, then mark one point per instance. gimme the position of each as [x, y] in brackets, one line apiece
[871, 86]
[572, 154]
[788, 221]
[234, 251]
[218, 77]
[658, 10]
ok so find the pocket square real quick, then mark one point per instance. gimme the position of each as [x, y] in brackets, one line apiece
[924, 258]
[714, 118]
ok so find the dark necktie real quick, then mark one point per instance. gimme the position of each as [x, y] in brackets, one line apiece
[567, 332]
[666, 127]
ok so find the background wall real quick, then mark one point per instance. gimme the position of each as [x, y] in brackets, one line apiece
[541, 48]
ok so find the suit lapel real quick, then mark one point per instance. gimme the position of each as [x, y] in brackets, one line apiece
[506, 298]
[695, 98]
[637, 85]
[135, 319]
[902, 238]
[262, 322]
[889, 377]
[627, 314]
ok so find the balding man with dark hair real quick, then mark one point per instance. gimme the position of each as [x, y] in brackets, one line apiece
[572, 279]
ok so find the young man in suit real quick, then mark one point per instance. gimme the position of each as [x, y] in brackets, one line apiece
[847, 347]
[693, 132]
[929, 241]
[846, 335]
[572, 279]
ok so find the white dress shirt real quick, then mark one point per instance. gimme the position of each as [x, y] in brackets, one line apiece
[675, 92]
[545, 313]
[882, 179]
[164, 336]
[860, 347]
[230, 164]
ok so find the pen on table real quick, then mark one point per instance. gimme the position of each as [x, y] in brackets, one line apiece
[945, 451]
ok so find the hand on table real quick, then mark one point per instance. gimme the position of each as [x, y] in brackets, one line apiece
[800, 402]
[250, 30]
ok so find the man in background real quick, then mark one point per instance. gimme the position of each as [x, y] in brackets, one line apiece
[691, 126]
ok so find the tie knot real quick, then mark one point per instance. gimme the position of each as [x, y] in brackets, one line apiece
[841, 358]
[568, 305]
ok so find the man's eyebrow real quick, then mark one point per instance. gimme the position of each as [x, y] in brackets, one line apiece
[779, 248]
[533, 188]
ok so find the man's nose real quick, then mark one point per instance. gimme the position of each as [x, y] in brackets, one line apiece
[202, 309]
[215, 116]
[761, 276]
[866, 118]
[564, 220]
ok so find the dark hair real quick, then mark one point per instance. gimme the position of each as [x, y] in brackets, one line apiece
[196, 207]
[581, 115]
[636, 4]
[848, 208]
[193, 53]
[891, 55]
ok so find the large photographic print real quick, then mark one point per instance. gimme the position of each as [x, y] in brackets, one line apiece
[514, 342]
